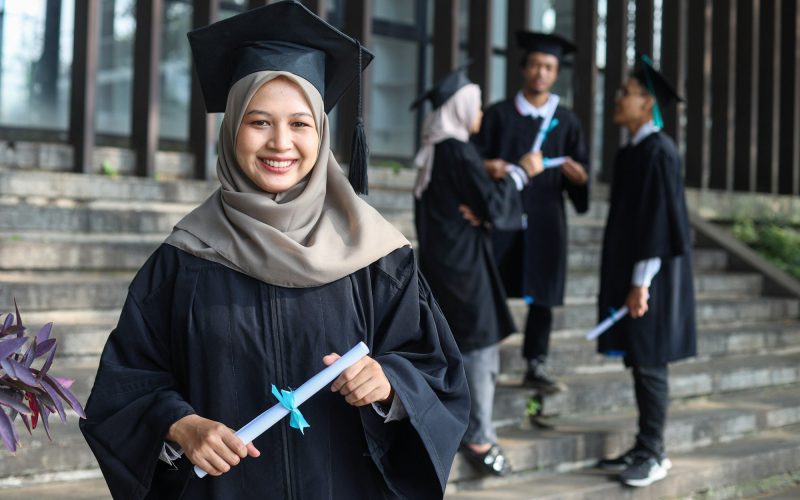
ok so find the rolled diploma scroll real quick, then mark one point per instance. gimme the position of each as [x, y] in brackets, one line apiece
[545, 126]
[606, 323]
[554, 162]
[261, 423]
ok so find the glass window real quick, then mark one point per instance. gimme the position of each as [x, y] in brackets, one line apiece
[397, 11]
[35, 63]
[175, 71]
[498, 85]
[394, 85]
[499, 24]
[115, 66]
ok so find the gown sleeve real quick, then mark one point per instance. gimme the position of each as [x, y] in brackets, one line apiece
[135, 400]
[419, 356]
[659, 223]
[576, 147]
[494, 201]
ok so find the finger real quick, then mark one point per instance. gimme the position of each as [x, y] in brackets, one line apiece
[377, 394]
[234, 444]
[207, 467]
[362, 393]
[349, 374]
[330, 358]
[216, 463]
[367, 373]
[252, 451]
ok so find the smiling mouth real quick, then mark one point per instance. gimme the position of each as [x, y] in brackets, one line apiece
[276, 164]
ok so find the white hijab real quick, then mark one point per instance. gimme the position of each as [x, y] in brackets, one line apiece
[451, 120]
[315, 233]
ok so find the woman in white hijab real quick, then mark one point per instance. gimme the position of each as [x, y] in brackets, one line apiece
[263, 284]
[457, 206]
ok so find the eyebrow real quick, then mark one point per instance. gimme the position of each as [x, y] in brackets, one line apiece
[267, 113]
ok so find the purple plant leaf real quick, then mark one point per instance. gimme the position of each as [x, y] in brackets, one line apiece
[47, 363]
[7, 323]
[67, 395]
[56, 400]
[66, 383]
[44, 334]
[7, 398]
[24, 374]
[7, 431]
[42, 346]
[6, 365]
[27, 423]
[10, 346]
[16, 307]
[46, 413]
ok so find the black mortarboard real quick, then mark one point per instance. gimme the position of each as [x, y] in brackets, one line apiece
[444, 88]
[283, 36]
[658, 86]
[549, 43]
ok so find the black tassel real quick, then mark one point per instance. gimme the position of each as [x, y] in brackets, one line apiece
[359, 159]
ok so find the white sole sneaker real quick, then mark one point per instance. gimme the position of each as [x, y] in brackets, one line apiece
[658, 474]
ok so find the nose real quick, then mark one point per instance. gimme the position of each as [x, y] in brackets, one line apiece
[280, 139]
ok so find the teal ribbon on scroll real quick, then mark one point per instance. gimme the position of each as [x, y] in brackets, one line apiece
[657, 119]
[553, 124]
[286, 399]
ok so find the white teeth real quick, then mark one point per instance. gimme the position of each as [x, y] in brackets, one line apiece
[278, 164]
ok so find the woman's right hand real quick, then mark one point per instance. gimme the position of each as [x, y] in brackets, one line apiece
[210, 445]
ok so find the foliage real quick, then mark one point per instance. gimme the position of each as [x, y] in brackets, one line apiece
[109, 170]
[779, 243]
[533, 407]
[21, 382]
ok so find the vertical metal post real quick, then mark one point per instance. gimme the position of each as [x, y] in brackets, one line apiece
[84, 84]
[698, 109]
[445, 37]
[201, 124]
[517, 19]
[616, 68]
[723, 82]
[585, 70]
[479, 44]
[146, 62]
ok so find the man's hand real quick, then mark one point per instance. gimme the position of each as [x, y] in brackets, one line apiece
[532, 163]
[637, 301]
[363, 383]
[469, 216]
[496, 168]
[575, 172]
[210, 445]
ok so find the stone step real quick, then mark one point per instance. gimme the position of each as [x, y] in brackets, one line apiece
[572, 354]
[695, 474]
[60, 489]
[90, 217]
[730, 311]
[44, 290]
[90, 252]
[581, 286]
[611, 390]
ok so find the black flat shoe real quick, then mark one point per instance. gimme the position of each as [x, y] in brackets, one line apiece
[492, 461]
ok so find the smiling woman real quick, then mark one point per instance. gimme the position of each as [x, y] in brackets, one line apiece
[283, 267]
[278, 140]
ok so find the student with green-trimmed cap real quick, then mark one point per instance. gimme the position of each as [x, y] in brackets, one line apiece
[647, 266]
[455, 255]
[282, 269]
[533, 262]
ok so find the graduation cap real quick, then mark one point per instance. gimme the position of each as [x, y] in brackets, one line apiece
[548, 43]
[445, 88]
[657, 86]
[283, 36]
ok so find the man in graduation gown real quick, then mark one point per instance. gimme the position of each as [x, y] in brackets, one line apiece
[533, 262]
[646, 265]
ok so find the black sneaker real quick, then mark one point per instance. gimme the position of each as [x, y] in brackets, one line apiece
[620, 463]
[493, 461]
[537, 378]
[644, 471]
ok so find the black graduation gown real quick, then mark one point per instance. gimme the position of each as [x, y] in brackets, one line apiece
[534, 262]
[648, 218]
[196, 336]
[456, 257]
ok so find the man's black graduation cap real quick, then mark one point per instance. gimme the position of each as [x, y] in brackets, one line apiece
[549, 43]
[283, 36]
[655, 83]
[445, 88]
[658, 86]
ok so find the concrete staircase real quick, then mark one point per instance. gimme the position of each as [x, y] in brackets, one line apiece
[70, 244]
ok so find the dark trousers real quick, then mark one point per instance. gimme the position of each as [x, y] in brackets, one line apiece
[537, 332]
[651, 386]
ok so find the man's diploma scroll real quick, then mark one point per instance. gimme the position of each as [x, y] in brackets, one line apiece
[607, 323]
[261, 423]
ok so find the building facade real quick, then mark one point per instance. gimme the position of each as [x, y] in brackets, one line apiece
[88, 85]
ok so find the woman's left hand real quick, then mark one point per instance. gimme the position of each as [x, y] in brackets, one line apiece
[363, 383]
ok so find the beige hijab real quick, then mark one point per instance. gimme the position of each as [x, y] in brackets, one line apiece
[315, 233]
[451, 120]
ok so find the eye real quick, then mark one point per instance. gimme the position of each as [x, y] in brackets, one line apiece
[260, 123]
[300, 124]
